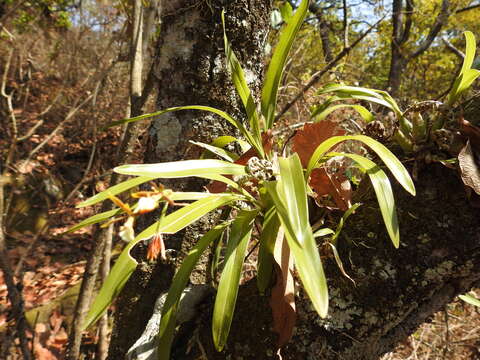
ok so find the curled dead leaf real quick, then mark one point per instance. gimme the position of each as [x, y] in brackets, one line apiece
[335, 185]
[469, 168]
[307, 139]
[472, 132]
[282, 300]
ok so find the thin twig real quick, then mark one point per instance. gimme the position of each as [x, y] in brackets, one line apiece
[453, 49]
[31, 131]
[13, 288]
[103, 338]
[8, 99]
[19, 267]
[447, 332]
[90, 160]
[317, 76]
[59, 127]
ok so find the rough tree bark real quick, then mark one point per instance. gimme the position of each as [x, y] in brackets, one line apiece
[324, 30]
[396, 290]
[190, 69]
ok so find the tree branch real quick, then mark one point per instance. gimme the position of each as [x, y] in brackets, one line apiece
[318, 75]
[453, 49]
[408, 21]
[468, 8]
[437, 26]
[323, 28]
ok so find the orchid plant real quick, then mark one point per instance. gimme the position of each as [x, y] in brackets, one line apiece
[269, 189]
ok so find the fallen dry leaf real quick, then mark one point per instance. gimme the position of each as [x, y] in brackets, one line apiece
[336, 185]
[310, 136]
[42, 353]
[472, 132]
[469, 169]
[282, 300]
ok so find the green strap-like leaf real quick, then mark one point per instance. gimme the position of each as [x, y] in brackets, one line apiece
[277, 64]
[125, 264]
[180, 280]
[390, 160]
[95, 219]
[184, 168]
[238, 124]
[384, 193]
[461, 84]
[470, 47]
[348, 90]
[323, 232]
[270, 227]
[290, 197]
[470, 299]
[321, 115]
[361, 93]
[226, 298]
[344, 218]
[224, 154]
[224, 140]
[175, 196]
[116, 189]
[467, 75]
[238, 78]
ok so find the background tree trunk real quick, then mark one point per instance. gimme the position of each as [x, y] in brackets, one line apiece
[402, 22]
[190, 68]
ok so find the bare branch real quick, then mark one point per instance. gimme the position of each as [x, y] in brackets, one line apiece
[318, 75]
[345, 24]
[436, 27]
[59, 127]
[408, 22]
[397, 19]
[468, 8]
[324, 31]
[103, 338]
[453, 49]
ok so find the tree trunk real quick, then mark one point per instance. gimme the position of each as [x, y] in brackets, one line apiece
[397, 67]
[190, 68]
[401, 56]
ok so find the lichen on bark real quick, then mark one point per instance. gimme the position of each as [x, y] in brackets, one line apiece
[190, 69]
[396, 290]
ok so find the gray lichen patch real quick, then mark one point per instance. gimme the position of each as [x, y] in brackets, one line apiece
[176, 42]
[167, 130]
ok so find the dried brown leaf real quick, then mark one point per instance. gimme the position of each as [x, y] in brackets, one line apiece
[42, 353]
[472, 132]
[336, 185]
[310, 136]
[469, 169]
[282, 300]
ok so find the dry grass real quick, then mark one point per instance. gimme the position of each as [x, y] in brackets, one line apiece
[453, 334]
